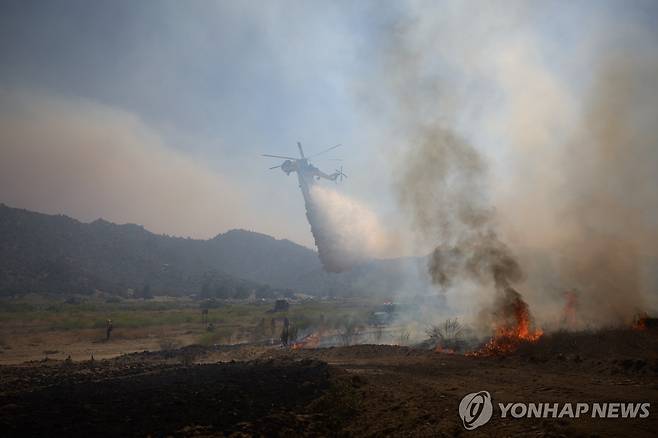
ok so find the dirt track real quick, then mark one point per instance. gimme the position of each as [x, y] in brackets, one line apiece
[351, 391]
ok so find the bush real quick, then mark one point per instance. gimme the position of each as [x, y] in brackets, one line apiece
[446, 335]
[348, 331]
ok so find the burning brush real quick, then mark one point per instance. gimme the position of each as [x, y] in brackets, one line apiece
[513, 326]
[643, 321]
[310, 341]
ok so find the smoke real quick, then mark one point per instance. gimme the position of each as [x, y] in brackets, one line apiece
[520, 174]
[442, 181]
[587, 193]
[610, 209]
[346, 232]
[89, 160]
[442, 186]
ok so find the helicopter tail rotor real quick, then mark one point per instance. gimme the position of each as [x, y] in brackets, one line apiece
[340, 174]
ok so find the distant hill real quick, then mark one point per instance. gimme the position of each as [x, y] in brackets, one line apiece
[56, 254]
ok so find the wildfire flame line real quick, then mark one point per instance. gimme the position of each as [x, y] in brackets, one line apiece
[513, 330]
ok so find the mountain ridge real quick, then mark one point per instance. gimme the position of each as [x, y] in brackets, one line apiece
[58, 254]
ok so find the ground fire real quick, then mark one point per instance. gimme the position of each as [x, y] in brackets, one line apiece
[513, 327]
[642, 322]
[310, 341]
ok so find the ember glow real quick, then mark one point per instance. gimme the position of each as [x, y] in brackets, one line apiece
[640, 322]
[310, 341]
[513, 329]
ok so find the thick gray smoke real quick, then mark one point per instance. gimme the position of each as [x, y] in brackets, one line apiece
[442, 185]
[608, 242]
[589, 221]
[442, 182]
[575, 154]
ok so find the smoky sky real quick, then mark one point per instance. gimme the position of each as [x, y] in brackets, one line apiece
[543, 164]
[106, 106]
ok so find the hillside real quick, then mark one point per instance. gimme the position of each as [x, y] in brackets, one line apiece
[57, 254]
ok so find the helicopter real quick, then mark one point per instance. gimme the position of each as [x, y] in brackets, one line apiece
[306, 172]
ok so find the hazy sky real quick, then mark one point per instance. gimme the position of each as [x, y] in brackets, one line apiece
[155, 112]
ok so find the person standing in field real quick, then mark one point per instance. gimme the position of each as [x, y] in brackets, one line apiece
[108, 329]
[284, 332]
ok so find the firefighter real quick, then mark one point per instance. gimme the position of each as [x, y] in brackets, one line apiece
[284, 332]
[108, 329]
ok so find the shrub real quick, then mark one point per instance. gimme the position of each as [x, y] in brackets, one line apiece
[348, 331]
[447, 334]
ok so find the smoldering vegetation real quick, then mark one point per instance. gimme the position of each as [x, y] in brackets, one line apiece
[607, 243]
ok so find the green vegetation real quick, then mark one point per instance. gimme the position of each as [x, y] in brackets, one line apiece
[222, 335]
[227, 322]
[86, 315]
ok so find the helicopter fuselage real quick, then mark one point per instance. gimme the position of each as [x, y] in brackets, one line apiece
[306, 172]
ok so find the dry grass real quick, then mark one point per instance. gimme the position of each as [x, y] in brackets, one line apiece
[601, 344]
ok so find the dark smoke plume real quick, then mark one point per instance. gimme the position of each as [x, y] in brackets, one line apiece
[442, 185]
[573, 135]
[442, 179]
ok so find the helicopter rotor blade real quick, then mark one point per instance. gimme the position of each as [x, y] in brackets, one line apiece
[326, 150]
[275, 167]
[279, 156]
[301, 151]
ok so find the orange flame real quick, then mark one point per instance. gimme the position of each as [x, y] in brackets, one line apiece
[640, 321]
[310, 341]
[508, 336]
[440, 349]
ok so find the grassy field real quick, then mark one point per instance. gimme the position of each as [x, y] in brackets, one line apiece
[30, 328]
[139, 313]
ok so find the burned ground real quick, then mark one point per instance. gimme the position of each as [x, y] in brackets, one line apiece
[114, 399]
[364, 390]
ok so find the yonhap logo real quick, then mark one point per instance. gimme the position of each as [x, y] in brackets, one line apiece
[475, 409]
